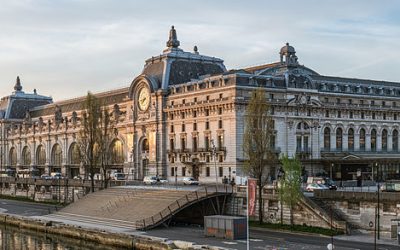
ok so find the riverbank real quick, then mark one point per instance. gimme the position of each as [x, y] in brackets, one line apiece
[122, 240]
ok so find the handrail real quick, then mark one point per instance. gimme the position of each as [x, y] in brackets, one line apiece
[189, 198]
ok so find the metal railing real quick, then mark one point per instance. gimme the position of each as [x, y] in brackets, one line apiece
[181, 203]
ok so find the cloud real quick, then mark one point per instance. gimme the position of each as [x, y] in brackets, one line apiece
[100, 45]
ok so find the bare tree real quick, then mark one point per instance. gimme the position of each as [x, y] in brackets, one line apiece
[289, 186]
[89, 134]
[104, 139]
[258, 139]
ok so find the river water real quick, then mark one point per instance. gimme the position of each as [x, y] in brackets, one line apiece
[13, 238]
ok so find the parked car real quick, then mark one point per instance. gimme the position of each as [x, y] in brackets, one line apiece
[330, 184]
[118, 176]
[56, 175]
[162, 181]
[45, 177]
[150, 180]
[190, 181]
[314, 186]
[77, 177]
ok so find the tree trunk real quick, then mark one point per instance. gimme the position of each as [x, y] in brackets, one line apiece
[260, 202]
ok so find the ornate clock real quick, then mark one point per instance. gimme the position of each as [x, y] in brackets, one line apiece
[143, 99]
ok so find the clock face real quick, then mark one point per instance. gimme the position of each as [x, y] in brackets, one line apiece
[143, 99]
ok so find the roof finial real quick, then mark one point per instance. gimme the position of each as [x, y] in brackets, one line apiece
[18, 86]
[196, 50]
[173, 41]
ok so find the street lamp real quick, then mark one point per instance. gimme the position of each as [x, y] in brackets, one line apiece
[214, 152]
[377, 210]
[132, 167]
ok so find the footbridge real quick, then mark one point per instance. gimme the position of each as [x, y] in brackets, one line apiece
[143, 207]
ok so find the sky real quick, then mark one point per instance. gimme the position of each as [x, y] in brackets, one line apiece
[66, 48]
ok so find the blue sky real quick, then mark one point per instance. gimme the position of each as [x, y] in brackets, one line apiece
[65, 48]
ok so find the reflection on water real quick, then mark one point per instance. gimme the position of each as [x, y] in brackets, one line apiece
[12, 238]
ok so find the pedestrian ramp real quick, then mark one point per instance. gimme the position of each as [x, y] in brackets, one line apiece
[137, 208]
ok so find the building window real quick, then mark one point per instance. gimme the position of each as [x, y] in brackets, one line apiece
[338, 100]
[74, 155]
[394, 104]
[194, 146]
[327, 138]
[372, 103]
[195, 114]
[172, 103]
[172, 145]
[308, 112]
[326, 100]
[171, 116]
[220, 124]
[271, 96]
[195, 126]
[207, 158]
[183, 171]
[182, 115]
[207, 143]
[350, 101]
[362, 115]
[172, 129]
[117, 152]
[298, 143]
[26, 156]
[183, 127]
[195, 99]
[395, 117]
[207, 125]
[41, 156]
[339, 114]
[373, 116]
[373, 140]
[383, 103]
[362, 139]
[339, 138]
[350, 143]
[384, 116]
[207, 98]
[395, 140]
[220, 96]
[220, 111]
[351, 115]
[207, 112]
[220, 141]
[56, 155]
[220, 172]
[173, 171]
[384, 140]
[327, 113]
[207, 171]
[361, 102]
[183, 101]
[220, 158]
[183, 143]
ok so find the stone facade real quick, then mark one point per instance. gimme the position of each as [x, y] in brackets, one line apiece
[183, 116]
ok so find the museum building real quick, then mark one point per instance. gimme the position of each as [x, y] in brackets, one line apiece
[183, 116]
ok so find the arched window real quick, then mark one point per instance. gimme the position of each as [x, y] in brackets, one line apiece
[339, 138]
[384, 140]
[327, 138]
[362, 139]
[13, 157]
[117, 153]
[145, 146]
[302, 135]
[56, 155]
[350, 143]
[41, 156]
[395, 140]
[74, 154]
[26, 156]
[373, 140]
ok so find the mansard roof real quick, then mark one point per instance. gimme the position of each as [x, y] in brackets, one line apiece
[176, 66]
[116, 96]
[16, 105]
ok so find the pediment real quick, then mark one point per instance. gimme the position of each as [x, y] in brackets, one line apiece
[351, 157]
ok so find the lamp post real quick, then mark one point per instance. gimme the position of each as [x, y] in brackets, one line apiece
[132, 165]
[378, 186]
[214, 152]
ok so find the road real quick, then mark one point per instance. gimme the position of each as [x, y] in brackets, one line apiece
[26, 208]
[267, 240]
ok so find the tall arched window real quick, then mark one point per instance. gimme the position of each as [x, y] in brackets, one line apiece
[339, 138]
[41, 156]
[384, 140]
[395, 140]
[350, 143]
[74, 154]
[373, 140]
[302, 136]
[26, 156]
[362, 139]
[13, 157]
[56, 155]
[327, 138]
[117, 153]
